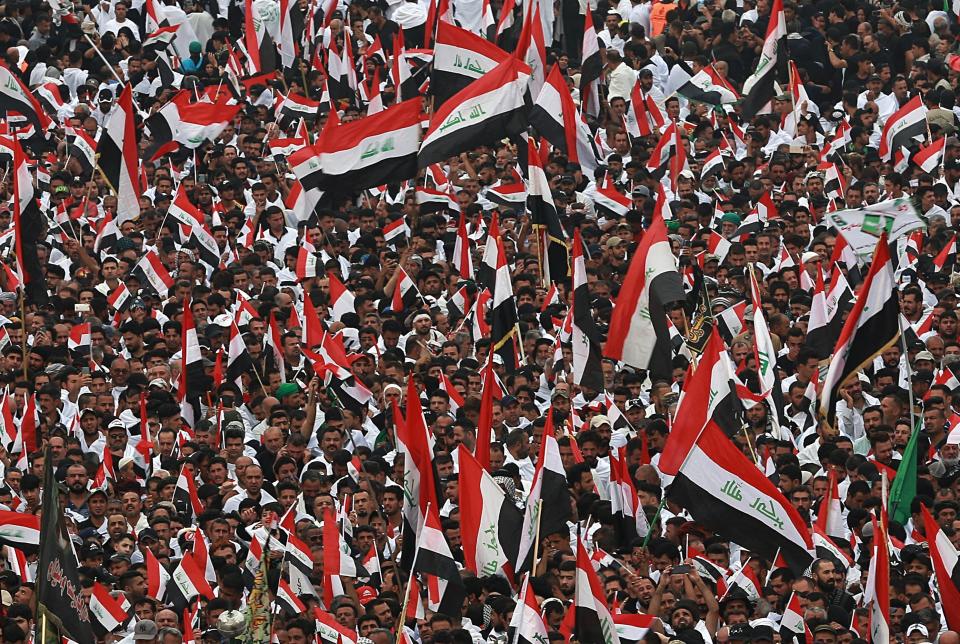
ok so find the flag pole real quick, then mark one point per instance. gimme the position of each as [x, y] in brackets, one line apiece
[406, 594]
[536, 539]
[656, 516]
[23, 324]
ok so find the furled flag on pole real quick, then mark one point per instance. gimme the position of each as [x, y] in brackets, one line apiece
[871, 327]
[760, 88]
[118, 159]
[638, 329]
[61, 611]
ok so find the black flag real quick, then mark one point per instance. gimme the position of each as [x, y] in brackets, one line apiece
[698, 309]
[61, 609]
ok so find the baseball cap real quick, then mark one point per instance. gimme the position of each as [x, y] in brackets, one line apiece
[146, 629]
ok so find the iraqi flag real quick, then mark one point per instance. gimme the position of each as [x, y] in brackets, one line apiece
[157, 576]
[337, 562]
[22, 531]
[900, 129]
[287, 601]
[490, 523]
[830, 515]
[527, 626]
[547, 491]
[117, 157]
[79, 339]
[929, 156]
[82, 148]
[459, 58]
[644, 117]
[591, 68]
[342, 299]
[586, 338]
[554, 114]
[294, 107]
[712, 166]
[489, 109]
[405, 292]
[362, 154]
[504, 322]
[946, 565]
[716, 483]
[594, 623]
[189, 582]
[633, 627]
[544, 217]
[699, 87]
[433, 560]
[201, 122]
[261, 36]
[631, 522]
[416, 444]
[638, 333]
[877, 592]
[871, 327]
[760, 88]
[152, 272]
[15, 97]
[185, 494]
[106, 609]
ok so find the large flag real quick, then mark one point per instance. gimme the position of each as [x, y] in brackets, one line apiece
[946, 565]
[585, 337]
[548, 504]
[117, 157]
[489, 109]
[638, 334]
[459, 58]
[365, 153]
[760, 88]
[716, 483]
[900, 129]
[594, 623]
[60, 602]
[871, 327]
[490, 523]
[554, 114]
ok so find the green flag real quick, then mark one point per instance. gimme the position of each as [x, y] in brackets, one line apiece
[904, 486]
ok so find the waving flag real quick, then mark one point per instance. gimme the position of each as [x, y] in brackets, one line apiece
[716, 483]
[490, 108]
[459, 58]
[490, 523]
[871, 327]
[638, 335]
[118, 159]
[759, 89]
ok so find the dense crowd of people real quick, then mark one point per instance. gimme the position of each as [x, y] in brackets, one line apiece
[222, 370]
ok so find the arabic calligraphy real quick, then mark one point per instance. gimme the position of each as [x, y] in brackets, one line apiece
[768, 511]
[468, 63]
[732, 489]
[457, 117]
[375, 147]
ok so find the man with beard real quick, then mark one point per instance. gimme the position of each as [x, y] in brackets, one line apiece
[949, 460]
[824, 573]
[77, 495]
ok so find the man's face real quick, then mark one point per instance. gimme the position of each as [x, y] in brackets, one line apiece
[826, 576]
